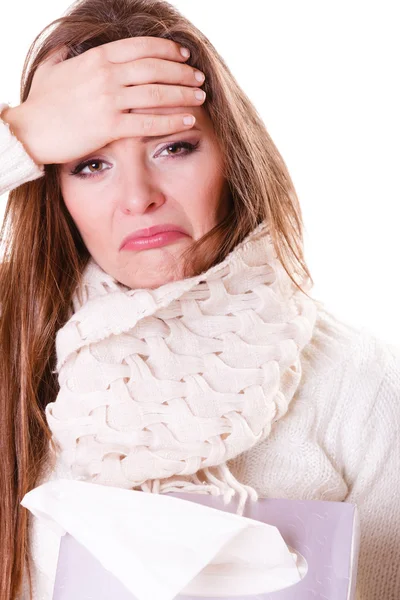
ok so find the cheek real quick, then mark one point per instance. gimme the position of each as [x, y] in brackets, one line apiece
[84, 209]
[202, 186]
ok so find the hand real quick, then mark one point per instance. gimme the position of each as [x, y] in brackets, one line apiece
[79, 105]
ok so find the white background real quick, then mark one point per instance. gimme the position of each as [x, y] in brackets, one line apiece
[324, 77]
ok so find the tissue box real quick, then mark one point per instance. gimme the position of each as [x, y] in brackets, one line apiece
[325, 533]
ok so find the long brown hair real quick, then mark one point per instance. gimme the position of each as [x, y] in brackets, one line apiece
[44, 254]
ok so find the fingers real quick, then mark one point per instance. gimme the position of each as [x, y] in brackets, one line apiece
[133, 48]
[155, 70]
[136, 125]
[155, 95]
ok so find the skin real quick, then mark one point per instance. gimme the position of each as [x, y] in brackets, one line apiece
[135, 184]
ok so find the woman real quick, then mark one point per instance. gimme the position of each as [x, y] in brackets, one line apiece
[261, 390]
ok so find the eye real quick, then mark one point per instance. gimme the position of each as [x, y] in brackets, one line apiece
[187, 147]
[88, 163]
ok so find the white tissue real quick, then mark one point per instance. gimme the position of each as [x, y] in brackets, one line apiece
[159, 546]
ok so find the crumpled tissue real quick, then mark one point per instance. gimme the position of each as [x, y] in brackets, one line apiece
[159, 546]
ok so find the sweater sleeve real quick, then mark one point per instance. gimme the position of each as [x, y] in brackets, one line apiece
[374, 484]
[16, 165]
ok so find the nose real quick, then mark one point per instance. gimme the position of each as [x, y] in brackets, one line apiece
[139, 194]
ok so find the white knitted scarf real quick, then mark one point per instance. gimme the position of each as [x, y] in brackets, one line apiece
[159, 388]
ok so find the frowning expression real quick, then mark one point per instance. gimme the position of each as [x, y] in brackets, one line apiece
[135, 183]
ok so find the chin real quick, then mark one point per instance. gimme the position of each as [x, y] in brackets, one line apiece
[150, 269]
[152, 280]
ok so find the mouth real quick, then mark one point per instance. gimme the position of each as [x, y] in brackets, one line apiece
[153, 237]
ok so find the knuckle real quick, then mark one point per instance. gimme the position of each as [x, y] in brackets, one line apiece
[147, 123]
[171, 122]
[111, 124]
[116, 101]
[96, 57]
[151, 64]
[106, 107]
[116, 128]
[156, 93]
[104, 77]
[185, 94]
[143, 42]
[102, 81]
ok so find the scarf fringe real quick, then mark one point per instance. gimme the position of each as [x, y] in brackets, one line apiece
[227, 485]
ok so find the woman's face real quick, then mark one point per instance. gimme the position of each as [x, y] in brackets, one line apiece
[132, 184]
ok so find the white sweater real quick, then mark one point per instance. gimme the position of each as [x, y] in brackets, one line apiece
[339, 440]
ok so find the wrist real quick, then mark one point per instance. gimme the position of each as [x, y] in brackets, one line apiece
[5, 110]
[14, 116]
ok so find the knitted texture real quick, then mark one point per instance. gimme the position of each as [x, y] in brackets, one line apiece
[158, 386]
[17, 167]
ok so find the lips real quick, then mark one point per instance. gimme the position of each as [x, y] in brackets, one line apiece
[149, 231]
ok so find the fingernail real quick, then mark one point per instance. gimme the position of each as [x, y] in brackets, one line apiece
[199, 76]
[185, 52]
